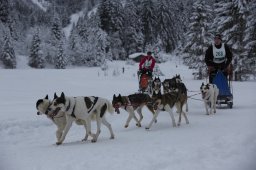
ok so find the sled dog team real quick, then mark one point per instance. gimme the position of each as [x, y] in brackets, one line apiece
[64, 110]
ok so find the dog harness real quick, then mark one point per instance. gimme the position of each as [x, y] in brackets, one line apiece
[72, 114]
[94, 102]
[126, 102]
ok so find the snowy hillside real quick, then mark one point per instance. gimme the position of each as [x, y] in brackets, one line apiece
[42, 4]
[225, 141]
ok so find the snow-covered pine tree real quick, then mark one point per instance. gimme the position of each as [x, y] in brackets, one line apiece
[111, 15]
[149, 20]
[250, 38]
[132, 31]
[56, 31]
[81, 26]
[8, 56]
[198, 37]
[4, 10]
[75, 47]
[61, 61]
[112, 22]
[95, 54]
[36, 59]
[3, 31]
[56, 39]
[170, 23]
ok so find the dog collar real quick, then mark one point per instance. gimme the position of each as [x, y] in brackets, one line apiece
[73, 112]
[68, 105]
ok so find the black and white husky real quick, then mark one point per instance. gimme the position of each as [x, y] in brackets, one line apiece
[82, 108]
[59, 119]
[209, 93]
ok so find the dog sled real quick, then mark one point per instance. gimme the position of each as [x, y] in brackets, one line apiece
[224, 84]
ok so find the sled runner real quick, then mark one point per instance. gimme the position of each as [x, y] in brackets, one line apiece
[225, 96]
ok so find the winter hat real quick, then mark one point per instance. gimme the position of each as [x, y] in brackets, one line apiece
[218, 36]
[149, 53]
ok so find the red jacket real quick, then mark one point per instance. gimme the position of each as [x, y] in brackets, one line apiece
[147, 62]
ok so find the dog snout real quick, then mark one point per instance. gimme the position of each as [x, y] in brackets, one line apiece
[38, 113]
[155, 106]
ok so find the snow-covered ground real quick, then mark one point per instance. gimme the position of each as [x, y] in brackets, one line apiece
[225, 141]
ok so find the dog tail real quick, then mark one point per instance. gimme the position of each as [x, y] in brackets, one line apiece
[110, 107]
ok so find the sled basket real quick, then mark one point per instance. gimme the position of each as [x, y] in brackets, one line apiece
[144, 81]
[225, 96]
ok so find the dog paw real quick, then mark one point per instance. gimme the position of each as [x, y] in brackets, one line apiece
[94, 140]
[112, 137]
[58, 143]
[138, 124]
[147, 128]
[83, 140]
[126, 126]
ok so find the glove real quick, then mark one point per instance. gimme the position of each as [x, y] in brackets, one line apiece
[143, 71]
[228, 70]
[210, 69]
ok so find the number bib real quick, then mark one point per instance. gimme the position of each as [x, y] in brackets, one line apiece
[148, 63]
[219, 54]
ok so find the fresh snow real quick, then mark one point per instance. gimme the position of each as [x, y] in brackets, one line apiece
[134, 55]
[225, 141]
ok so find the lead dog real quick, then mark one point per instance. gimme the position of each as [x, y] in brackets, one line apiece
[83, 107]
[59, 119]
[209, 93]
[132, 103]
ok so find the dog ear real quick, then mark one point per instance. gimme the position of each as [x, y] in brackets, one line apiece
[62, 95]
[55, 96]
[114, 96]
[46, 97]
[38, 102]
[207, 86]
[202, 85]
